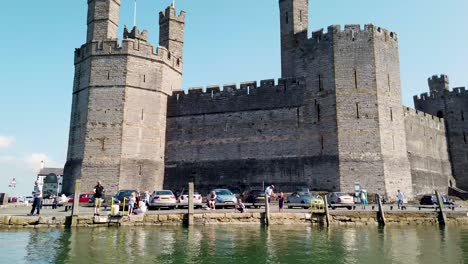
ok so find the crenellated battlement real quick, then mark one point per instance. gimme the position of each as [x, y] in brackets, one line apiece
[423, 116]
[170, 13]
[438, 78]
[353, 30]
[128, 46]
[232, 98]
[458, 91]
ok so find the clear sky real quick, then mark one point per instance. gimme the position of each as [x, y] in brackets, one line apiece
[226, 41]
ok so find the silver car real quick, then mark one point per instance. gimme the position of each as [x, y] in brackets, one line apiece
[305, 199]
[183, 199]
[225, 197]
[163, 198]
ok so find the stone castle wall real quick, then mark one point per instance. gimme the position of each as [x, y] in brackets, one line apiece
[427, 152]
[453, 107]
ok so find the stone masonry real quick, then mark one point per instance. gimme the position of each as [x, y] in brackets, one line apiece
[334, 118]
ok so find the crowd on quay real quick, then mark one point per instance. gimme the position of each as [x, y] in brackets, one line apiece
[139, 204]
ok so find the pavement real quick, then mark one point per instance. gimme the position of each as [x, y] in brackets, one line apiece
[86, 210]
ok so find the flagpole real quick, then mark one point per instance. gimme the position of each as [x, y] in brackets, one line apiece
[134, 14]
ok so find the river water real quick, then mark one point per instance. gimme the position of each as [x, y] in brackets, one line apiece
[237, 244]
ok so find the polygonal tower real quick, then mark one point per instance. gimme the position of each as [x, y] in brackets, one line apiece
[118, 119]
[453, 107]
[294, 25]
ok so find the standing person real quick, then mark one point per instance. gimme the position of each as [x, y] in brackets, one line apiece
[212, 200]
[147, 198]
[131, 203]
[37, 202]
[281, 202]
[363, 198]
[98, 192]
[400, 198]
[269, 192]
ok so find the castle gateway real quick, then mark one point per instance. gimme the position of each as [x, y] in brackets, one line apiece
[334, 118]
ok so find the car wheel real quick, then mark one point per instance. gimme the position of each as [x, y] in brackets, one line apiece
[349, 207]
[290, 207]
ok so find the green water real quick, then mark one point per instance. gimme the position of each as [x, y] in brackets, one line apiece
[236, 244]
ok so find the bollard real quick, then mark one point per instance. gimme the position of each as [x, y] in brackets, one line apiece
[76, 202]
[380, 214]
[442, 218]
[190, 203]
[123, 208]
[327, 215]
[267, 211]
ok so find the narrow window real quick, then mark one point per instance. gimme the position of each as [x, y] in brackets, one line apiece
[141, 170]
[78, 78]
[391, 114]
[462, 115]
[464, 137]
[393, 140]
[318, 112]
[355, 79]
[298, 116]
[321, 142]
[103, 143]
[389, 84]
[142, 114]
[108, 75]
[320, 83]
[357, 110]
[300, 15]
[144, 78]
[287, 18]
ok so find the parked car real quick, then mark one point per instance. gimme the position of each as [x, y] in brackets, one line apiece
[225, 197]
[164, 198]
[29, 199]
[123, 194]
[339, 198]
[183, 199]
[12, 199]
[84, 198]
[255, 197]
[431, 199]
[306, 199]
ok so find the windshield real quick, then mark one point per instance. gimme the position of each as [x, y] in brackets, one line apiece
[163, 193]
[185, 192]
[304, 194]
[256, 192]
[341, 194]
[125, 193]
[223, 192]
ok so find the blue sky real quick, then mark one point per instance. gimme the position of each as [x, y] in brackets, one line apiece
[226, 41]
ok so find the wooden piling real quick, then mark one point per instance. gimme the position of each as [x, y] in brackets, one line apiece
[440, 203]
[76, 203]
[190, 203]
[380, 214]
[267, 211]
[327, 214]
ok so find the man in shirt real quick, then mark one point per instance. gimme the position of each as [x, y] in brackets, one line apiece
[98, 193]
[37, 202]
[269, 192]
[400, 198]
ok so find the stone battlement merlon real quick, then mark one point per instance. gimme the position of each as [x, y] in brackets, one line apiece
[458, 91]
[438, 78]
[288, 93]
[243, 88]
[170, 13]
[128, 46]
[408, 111]
[320, 35]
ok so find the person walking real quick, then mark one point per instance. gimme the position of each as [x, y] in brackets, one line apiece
[131, 204]
[98, 193]
[37, 202]
[147, 199]
[400, 198]
[269, 192]
[281, 202]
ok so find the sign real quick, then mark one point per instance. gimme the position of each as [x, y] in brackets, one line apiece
[357, 188]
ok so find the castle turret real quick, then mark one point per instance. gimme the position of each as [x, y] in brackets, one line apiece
[294, 24]
[438, 84]
[118, 119]
[103, 19]
[171, 30]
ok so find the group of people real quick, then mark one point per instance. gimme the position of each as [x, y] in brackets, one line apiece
[137, 204]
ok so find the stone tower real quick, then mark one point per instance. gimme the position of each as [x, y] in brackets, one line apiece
[294, 25]
[453, 107]
[118, 119]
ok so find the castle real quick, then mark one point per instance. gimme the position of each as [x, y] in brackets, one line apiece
[335, 118]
